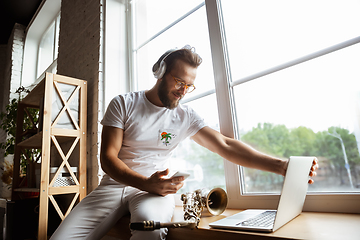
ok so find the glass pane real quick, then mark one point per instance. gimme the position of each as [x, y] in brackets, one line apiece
[46, 50]
[311, 109]
[153, 16]
[193, 31]
[57, 37]
[206, 168]
[262, 34]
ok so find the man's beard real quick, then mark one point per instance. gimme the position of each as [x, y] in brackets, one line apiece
[164, 98]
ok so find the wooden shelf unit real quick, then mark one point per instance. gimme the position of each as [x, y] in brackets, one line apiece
[49, 137]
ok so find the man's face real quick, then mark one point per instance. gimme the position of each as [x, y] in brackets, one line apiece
[168, 94]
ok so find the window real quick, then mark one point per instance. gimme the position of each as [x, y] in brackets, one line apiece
[296, 88]
[154, 24]
[187, 26]
[286, 84]
[41, 41]
[48, 48]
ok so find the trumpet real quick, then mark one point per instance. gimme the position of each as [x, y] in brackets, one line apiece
[194, 203]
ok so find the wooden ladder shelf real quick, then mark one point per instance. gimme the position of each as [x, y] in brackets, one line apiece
[62, 145]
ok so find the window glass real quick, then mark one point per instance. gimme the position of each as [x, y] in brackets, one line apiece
[206, 168]
[153, 16]
[57, 30]
[191, 30]
[261, 34]
[311, 109]
[46, 50]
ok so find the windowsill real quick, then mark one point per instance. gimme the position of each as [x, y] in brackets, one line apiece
[308, 225]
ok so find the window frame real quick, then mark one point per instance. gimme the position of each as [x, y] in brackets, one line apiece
[324, 202]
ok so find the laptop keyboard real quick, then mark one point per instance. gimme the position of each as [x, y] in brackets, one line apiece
[264, 219]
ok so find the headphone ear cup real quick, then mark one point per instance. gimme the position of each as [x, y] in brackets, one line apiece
[159, 73]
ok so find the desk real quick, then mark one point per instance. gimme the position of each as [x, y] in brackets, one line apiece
[308, 225]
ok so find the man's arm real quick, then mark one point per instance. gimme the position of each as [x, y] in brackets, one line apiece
[111, 142]
[240, 153]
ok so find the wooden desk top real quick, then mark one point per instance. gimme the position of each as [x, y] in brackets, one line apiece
[308, 225]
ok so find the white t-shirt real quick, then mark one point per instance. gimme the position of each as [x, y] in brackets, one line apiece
[151, 133]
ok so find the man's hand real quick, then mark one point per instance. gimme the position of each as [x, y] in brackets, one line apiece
[313, 169]
[312, 172]
[158, 184]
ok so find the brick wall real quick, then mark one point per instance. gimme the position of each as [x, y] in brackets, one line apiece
[15, 51]
[3, 85]
[10, 77]
[80, 57]
[11, 64]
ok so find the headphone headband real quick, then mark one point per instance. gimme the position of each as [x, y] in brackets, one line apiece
[159, 68]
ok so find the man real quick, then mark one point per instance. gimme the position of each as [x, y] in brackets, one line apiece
[134, 154]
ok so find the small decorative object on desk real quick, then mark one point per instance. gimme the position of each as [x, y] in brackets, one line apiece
[194, 203]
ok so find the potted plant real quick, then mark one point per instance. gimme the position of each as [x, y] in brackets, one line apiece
[8, 124]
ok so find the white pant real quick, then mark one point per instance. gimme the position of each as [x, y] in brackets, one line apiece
[97, 213]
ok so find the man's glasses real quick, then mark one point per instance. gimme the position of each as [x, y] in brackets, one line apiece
[180, 84]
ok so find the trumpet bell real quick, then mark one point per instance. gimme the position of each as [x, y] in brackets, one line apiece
[216, 201]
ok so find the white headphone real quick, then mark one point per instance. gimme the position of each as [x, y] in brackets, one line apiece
[159, 67]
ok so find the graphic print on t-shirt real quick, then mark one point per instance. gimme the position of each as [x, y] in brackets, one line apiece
[166, 136]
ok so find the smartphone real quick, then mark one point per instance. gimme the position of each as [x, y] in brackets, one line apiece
[180, 173]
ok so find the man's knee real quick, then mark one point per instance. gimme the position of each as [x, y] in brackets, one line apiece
[153, 208]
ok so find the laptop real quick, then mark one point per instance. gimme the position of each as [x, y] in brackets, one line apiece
[290, 204]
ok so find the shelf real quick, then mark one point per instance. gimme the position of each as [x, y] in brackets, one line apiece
[34, 97]
[29, 133]
[53, 190]
[26, 190]
[62, 135]
[49, 140]
[32, 142]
